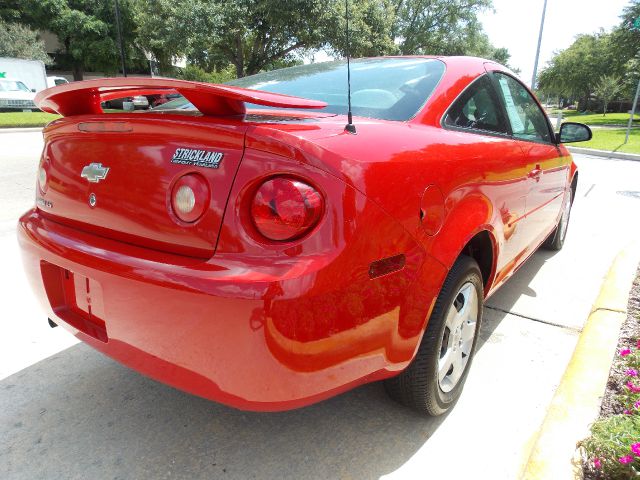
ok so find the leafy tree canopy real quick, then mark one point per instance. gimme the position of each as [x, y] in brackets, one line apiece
[252, 35]
[575, 71]
[86, 30]
[18, 41]
[578, 71]
[256, 35]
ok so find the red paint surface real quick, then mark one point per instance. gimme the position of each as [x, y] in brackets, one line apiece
[213, 307]
[78, 98]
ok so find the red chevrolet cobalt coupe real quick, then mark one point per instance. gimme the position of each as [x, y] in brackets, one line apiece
[241, 244]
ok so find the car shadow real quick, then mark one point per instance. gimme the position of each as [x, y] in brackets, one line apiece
[510, 292]
[79, 414]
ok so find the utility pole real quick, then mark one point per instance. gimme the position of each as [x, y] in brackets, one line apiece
[535, 64]
[634, 26]
[119, 30]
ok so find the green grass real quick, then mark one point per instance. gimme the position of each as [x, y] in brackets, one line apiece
[612, 139]
[25, 119]
[598, 119]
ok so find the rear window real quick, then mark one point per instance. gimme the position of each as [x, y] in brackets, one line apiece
[382, 88]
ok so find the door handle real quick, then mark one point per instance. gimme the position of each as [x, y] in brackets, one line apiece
[536, 172]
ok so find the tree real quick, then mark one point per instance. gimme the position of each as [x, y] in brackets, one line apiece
[578, 71]
[413, 27]
[18, 41]
[86, 29]
[10, 10]
[606, 90]
[255, 35]
[439, 27]
[252, 35]
[626, 41]
[626, 37]
[574, 72]
[371, 25]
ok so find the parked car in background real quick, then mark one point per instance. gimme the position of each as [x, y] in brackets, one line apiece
[137, 102]
[161, 99]
[176, 103]
[16, 96]
[54, 81]
[254, 246]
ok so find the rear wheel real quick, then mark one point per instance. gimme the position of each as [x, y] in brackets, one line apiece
[555, 241]
[433, 381]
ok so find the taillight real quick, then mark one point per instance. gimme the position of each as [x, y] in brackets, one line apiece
[285, 208]
[42, 178]
[190, 197]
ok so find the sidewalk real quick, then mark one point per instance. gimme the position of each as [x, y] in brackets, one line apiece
[604, 153]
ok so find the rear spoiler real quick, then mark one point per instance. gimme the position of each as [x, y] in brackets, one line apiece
[78, 98]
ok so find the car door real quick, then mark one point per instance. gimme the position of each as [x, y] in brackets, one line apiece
[486, 144]
[547, 169]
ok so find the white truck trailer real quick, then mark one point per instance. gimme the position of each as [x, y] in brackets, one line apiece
[29, 72]
[19, 82]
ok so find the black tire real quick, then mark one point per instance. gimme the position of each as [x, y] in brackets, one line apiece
[418, 386]
[555, 241]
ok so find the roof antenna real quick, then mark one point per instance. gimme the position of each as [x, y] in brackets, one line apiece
[349, 127]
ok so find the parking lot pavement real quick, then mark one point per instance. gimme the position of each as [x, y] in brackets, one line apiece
[560, 288]
[69, 412]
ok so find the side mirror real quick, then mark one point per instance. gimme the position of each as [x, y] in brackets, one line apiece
[33, 90]
[574, 132]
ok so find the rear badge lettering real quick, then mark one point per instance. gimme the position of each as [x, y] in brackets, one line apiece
[44, 203]
[197, 158]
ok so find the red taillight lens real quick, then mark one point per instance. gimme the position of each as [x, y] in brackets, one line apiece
[285, 208]
[190, 197]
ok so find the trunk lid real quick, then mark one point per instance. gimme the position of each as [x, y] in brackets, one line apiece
[131, 202]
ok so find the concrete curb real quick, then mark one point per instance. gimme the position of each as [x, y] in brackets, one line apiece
[20, 129]
[605, 153]
[577, 400]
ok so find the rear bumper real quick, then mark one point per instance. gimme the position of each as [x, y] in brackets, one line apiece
[255, 337]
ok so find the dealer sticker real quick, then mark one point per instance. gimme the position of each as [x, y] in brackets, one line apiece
[197, 158]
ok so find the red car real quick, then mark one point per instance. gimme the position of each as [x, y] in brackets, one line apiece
[246, 247]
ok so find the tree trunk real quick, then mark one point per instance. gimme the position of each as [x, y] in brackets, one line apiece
[78, 72]
[239, 63]
[239, 70]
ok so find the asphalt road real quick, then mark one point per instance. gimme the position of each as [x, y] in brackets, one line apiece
[68, 412]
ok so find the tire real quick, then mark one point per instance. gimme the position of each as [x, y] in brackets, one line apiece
[420, 386]
[555, 241]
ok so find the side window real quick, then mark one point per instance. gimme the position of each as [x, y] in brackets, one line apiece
[477, 108]
[527, 120]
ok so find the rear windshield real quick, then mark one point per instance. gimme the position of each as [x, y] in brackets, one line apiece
[383, 88]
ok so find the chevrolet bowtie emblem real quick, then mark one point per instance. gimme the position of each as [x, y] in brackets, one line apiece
[94, 172]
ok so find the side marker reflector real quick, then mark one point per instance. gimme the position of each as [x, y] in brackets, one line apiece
[387, 265]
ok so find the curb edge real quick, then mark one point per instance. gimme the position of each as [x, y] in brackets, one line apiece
[605, 153]
[576, 402]
[20, 129]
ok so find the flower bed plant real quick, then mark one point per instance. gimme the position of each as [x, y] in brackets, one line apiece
[613, 449]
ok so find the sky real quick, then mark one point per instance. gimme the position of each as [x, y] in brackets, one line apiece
[515, 24]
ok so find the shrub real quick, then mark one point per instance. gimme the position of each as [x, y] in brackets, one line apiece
[614, 446]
